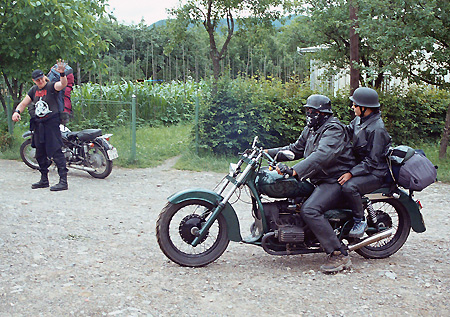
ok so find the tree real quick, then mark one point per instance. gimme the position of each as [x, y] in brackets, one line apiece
[36, 33]
[219, 17]
[330, 23]
[415, 34]
[408, 39]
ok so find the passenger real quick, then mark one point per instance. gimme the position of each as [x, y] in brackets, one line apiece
[370, 142]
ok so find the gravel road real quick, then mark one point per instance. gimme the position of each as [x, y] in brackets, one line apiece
[92, 251]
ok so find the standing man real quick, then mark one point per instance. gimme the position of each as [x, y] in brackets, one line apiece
[327, 154]
[42, 104]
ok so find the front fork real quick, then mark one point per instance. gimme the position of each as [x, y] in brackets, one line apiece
[216, 212]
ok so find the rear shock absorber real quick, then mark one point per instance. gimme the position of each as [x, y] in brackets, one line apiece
[371, 211]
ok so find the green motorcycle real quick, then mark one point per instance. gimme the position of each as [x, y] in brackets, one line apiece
[196, 225]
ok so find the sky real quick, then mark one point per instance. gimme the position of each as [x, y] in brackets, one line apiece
[132, 11]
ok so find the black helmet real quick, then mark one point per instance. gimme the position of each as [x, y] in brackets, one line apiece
[319, 102]
[365, 97]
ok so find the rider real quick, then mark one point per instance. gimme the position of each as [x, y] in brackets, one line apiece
[42, 104]
[327, 153]
[370, 144]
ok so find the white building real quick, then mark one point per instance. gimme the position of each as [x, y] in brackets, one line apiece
[320, 81]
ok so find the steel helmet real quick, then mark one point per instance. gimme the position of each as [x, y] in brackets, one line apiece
[365, 97]
[319, 102]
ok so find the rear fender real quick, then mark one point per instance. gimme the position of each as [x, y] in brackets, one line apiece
[27, 134]
[417, 222]
[212, 197]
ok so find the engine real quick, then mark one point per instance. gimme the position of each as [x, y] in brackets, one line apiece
[285, 221]
[68, 154]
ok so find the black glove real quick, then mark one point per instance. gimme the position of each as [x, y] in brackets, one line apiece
[285, 170]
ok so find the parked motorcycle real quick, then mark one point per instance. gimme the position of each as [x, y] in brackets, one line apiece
[196, 225]
[87, 150]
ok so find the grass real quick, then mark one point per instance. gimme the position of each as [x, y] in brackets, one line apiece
[154, 145]
[13, 151]
[432, 152]
[190, 161]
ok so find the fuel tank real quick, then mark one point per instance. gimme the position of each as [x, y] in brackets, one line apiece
[272, 184]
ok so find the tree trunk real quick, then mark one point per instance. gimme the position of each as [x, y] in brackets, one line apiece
[445, 135]
[354, 50]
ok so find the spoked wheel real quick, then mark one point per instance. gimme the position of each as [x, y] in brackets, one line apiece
[177, 226]
[390, 214]
[98, 160]
[28, 154]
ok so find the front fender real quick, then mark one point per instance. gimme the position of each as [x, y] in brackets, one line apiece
[212, 197]
[417, 222]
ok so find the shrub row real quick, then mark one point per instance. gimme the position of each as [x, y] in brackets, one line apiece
[243, 108]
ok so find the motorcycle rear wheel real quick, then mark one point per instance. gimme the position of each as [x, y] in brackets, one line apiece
[173, 233]
[395, 215]
[98, 159]
[28, 154]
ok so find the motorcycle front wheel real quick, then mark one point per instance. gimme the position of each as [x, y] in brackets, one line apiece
[390, 213]
[175, 229]
[28, 154]
[98, 160]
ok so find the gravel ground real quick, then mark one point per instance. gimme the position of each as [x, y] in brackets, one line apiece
[92, 251]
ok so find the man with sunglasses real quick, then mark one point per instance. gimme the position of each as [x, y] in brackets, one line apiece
[42, 104]
[324, 145]
[370, 142]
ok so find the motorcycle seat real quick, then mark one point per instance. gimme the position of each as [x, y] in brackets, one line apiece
[86, 135]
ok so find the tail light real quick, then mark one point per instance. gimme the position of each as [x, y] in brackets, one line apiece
[91, 145]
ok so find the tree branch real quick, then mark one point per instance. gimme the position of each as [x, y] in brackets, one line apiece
[230, 22]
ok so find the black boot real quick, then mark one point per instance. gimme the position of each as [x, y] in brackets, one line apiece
[43, 182]
[62, 185]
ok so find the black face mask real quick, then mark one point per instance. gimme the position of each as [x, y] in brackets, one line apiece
[315, 119]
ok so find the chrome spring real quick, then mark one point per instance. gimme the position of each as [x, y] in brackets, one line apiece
[371, 212]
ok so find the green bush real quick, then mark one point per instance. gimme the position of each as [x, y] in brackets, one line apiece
[243, 108]
[411, 116]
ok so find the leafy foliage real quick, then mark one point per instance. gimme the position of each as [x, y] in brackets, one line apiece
[36, 33]
[110, 105]
[218, 17]
[272, 110]
[413, 34]
[410, 116]
[244, 108]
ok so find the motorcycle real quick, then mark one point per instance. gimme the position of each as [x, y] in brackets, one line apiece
[196, 225]
[87, 150]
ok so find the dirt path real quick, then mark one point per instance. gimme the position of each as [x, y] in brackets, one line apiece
[92, 251]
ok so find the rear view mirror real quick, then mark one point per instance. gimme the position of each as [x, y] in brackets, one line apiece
[255, 140]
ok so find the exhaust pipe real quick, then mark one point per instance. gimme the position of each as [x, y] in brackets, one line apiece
[376, 237]
[83, 168]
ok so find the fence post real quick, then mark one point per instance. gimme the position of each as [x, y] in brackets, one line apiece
[9, 115]
[196, 122]
[133, 128]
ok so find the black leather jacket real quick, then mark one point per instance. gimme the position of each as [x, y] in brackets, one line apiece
[327, 152]
[370, 142]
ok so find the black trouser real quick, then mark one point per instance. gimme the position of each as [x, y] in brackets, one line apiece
[357, 186]
[324, 197]
[54, 143]
[44, 162]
